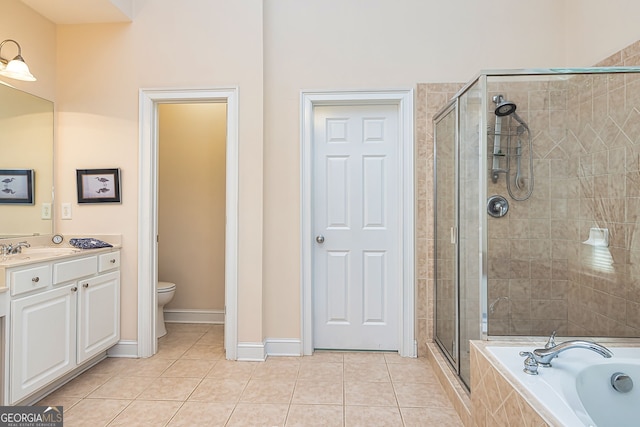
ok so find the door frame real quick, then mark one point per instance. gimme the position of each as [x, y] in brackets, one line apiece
[148, 211]
[407, 345]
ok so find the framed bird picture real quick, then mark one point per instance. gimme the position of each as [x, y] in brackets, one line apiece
[98, 185]
[16, 186]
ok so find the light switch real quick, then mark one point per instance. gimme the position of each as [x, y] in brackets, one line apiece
[66, 211]
[46, 211]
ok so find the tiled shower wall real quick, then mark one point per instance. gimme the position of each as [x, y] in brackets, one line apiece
[587, 174]
[527, 265]
[604, 283]
[586, 138]
[430, 98]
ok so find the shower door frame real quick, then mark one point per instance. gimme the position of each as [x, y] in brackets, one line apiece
[454, 104]
[482, 192]
[454, 359]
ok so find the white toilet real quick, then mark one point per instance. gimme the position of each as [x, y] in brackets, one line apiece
[165, 290]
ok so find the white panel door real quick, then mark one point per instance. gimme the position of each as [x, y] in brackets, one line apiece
[356, 204]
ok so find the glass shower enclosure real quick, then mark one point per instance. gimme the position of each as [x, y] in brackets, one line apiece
[537, 203]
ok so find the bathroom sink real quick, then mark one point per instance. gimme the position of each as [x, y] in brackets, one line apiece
[49, 251]
[37, 253]
[45, 252]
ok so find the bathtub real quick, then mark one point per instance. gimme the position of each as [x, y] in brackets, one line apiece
[577, 389]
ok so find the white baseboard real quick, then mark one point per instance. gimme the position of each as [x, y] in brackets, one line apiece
[194, 316]
[251, 352]
[247, 351]
[124, 348]
[283, 347]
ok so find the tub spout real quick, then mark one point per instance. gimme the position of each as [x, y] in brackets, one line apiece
[544, 355]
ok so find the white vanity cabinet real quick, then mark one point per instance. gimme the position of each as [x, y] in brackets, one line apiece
[43, 339]
[98, 322]
[62, 314]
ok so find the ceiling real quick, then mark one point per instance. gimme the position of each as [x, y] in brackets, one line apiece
[83, 11]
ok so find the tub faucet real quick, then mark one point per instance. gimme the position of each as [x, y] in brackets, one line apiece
[543, 356]
[552, 341]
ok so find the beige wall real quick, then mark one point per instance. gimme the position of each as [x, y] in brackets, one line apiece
[338, 45]
[37, 38]
[271, 55]
[596, 29]
[195, 44]
[191, 203]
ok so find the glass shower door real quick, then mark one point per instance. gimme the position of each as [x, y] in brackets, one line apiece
[446, 306]
[458, 275]
[470, 176]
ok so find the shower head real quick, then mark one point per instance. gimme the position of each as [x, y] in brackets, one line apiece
[503, 107]
[507, 108]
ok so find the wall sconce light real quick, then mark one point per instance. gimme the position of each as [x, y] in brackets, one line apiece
[16, 68]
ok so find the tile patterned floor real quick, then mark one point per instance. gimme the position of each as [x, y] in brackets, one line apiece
[189, 383]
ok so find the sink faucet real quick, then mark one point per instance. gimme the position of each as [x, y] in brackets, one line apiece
[12, 249]
[543, 356]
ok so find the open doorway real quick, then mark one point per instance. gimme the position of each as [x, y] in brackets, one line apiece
[148, 224]
[192, 141]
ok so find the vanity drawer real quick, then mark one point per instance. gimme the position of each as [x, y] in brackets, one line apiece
[29, 279]
[74, 269]
[108, 261]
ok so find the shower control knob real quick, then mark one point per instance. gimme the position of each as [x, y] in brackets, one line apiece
[320, 238]
[497, 206]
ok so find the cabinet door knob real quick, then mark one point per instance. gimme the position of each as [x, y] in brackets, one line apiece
[35, 279]
[85, 285]
[112, 261]
[74, 289]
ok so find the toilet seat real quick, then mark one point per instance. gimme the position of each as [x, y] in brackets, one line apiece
[166, 287]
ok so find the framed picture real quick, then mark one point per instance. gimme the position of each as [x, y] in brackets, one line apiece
[98, 185]
[16, 186]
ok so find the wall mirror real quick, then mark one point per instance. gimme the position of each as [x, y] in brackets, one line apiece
[26, 148]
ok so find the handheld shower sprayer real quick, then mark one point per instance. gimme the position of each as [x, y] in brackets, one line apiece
[505, 108]
[519, 120]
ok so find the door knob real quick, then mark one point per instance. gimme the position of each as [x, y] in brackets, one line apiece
[320, 238]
